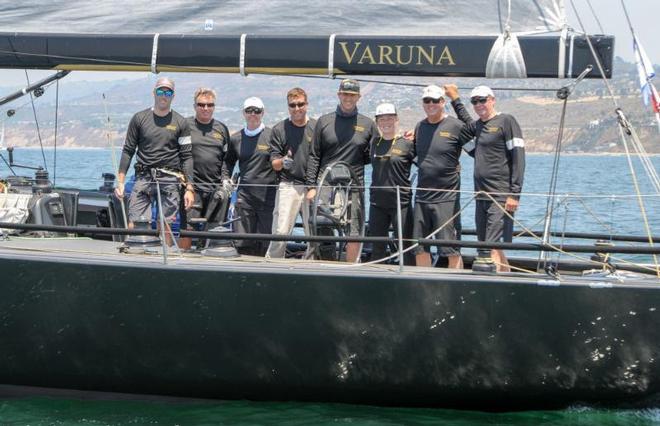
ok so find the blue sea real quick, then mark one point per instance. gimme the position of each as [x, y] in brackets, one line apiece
[595, 194]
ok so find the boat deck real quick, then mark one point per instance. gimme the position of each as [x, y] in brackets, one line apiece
[99, 252]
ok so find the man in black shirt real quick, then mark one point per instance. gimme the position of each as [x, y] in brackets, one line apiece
[258, 180]
[342, 135]
[162, 139]
[496, 143]
[391, 161]
[437, 197]
[210, 138]
[290, 144]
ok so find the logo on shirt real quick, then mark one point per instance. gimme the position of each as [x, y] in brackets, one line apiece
[397, 151]
[445, 134]
[262, 147]
[171, 127]
[218, 136]
[358, 128]
[491, 129]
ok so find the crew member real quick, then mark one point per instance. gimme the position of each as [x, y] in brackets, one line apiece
[391, 161]
[257, 189]
[343, 135]
[496, 143]
[161, 137]
[290, 144]
[437, 197]
[210, 138]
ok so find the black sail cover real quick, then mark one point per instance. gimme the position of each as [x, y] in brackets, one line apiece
[422, 37]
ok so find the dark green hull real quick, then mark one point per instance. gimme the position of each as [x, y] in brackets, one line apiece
[234, 330]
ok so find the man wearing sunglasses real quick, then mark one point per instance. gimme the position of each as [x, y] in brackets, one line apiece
[209, 144]
[437, 198]
[342, 135]
[256, 193]
[289, 153]
[161, 137]
[496, 143]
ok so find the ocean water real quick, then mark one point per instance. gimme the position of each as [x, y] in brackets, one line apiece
[595, 195]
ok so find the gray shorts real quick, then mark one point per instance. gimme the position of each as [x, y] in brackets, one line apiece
[430, 216]
[492, 223]
[144, 194]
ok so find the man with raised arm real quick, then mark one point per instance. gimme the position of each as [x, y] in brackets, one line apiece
[290, 144]
[161, 137]
[496, 143]
[437, 199]
[256, 192]
[210, 138]
[342, 135]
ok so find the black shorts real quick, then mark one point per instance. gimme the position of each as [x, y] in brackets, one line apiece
[492, 223]
[430, 216]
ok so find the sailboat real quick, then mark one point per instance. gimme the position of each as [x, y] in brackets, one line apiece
[78, 314]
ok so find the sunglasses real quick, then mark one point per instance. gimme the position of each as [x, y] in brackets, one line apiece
[252, 110]
[431, 100]
[203, 105]
[479, 100]
[165, 92]
[293, 105]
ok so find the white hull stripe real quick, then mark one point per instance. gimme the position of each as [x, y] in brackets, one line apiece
[515, 143]
[185, 140]
[469, 147]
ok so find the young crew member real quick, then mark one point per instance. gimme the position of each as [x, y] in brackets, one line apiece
[391, 161]
[256, 192]
[438, 152]
[210, 138]
[161, 137]
[290, 144]
[496, 143]
[342, 135]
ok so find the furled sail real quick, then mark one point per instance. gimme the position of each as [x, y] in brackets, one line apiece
[417, 37]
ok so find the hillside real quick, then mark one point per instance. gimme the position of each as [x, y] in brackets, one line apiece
[83, 121]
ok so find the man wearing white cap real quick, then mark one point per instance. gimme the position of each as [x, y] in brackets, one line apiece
[161, 137]
[437, 197]
[496, 143]
[257, 189]
[342, 135]
[391, 161]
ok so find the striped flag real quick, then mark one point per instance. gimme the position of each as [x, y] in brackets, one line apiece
[646, 74]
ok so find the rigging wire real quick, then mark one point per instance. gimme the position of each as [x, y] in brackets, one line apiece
[549, 207]
[57, 103]
[36, 122]
[593, 12]
[622, 121]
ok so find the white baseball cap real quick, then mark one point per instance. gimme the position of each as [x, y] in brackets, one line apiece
[385, 109]
[433, 92]
[253, 102]
[482, 92]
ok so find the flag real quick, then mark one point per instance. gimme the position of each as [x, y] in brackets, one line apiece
[646, 74]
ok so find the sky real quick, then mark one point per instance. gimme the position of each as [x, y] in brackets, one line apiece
[644, 14]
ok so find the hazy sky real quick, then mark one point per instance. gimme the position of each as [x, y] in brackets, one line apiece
[645, 14]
